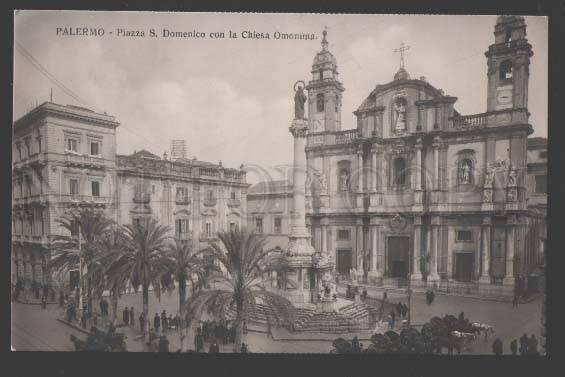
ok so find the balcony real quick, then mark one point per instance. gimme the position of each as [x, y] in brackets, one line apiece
[234, 203]
[210, 202]
[85, 200]
[78, 160]
[491, 118]
[331, 138]
[141, 198]
[183, 200]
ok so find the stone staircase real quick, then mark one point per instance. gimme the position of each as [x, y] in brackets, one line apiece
[362, 313]
[329, 322]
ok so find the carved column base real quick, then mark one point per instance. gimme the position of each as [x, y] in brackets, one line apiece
[434, 278]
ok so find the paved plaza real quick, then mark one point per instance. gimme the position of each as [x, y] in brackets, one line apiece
[35, 329]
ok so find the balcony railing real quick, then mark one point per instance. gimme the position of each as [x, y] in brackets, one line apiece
[210, 202]
[494, 118]
[347, 136]
[234, 203]
[83, 200]
[141, 198]
[82, 160]
[183, 200]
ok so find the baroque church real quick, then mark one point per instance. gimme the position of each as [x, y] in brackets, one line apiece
[418, 192]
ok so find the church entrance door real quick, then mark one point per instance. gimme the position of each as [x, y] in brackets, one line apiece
[464, 266]
[398, 251]
[344, 261]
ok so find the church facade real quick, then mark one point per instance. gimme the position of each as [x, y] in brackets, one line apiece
[418, 192]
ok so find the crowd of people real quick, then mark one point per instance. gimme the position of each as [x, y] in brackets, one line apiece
[527, 346]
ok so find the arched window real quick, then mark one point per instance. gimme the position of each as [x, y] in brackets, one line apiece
[399, 177]
[465, 171]
[506, 70]
[320, 102]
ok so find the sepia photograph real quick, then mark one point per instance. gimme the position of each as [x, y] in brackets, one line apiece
[293, 183]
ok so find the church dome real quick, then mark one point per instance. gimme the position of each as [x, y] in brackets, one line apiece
[402, 74]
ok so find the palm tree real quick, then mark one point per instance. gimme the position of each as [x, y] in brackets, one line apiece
[143, 260]
[239, 284]
[183, 266]
[78, 246]
[110, 245]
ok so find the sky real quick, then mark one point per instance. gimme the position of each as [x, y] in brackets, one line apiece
[232, 99]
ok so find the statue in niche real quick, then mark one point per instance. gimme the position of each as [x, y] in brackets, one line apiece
[511, 195]
[344, 180]
[489, 175]
[465, 172]
[400, 114]
[512, 177]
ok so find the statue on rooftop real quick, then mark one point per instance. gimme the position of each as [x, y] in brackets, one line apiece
[299, 100]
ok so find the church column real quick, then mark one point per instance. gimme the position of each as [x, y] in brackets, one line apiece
[324, 240]
[360, 170]
[416, 273]
[374, 186]
[418, 167]
[510, 231]
[21, 268]
[434, 276]
[436, 146]
[374, 270]
[359, 254]
[485, 252]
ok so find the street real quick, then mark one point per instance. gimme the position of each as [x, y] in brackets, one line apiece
[36, 329]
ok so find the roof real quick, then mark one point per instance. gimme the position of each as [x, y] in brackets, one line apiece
[145, 154]
[72, 111]
[268, 187]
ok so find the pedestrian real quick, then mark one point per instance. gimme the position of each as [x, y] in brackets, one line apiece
[198, 340]
[61, 298]
[515, 300]
[43, 302]
[355, 344]
[164, 321]
[399, 309]
[141, 321]
[156, 322]
[384, 297]
[533, 345]
[131, 316]
[125, 316]
[176, 321]
[243, 348]
[523, 345]
[514, 347]
[392, 319]
[497, 347]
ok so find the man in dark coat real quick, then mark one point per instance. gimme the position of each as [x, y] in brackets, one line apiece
[141, 321]
[164, 321]
[355, 344]
[156, 322]
[399, 309]
[243, 348]
[515, 300]
[125, 316]
[131, 316]
[198, 341]
[514, 347]
[497, 347]
[523, 344]
[392, 319]
[532, 345]
[404, 310]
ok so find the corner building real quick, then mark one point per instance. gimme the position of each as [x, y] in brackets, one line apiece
[418, 192]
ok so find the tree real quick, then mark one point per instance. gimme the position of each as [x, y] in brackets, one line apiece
[183, 266]
[83, 228]
[142, 261]
[239, 282]
[110, 245]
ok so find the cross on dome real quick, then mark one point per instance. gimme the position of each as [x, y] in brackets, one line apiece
[401, 50]
[324, 40]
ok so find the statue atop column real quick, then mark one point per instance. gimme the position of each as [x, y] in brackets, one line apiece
[299, 100]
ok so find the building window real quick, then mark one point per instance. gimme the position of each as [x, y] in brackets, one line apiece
[73, 187]
[399, 176]
[541, 184]
[208, 229]
[232, 195]
[233, 226]
[182, 229]
[320, 102]
[465, 171]
[182, 193]
[94, 148]
[464, 235]
[343, 234]
[259, 225]
[277, 225]
[543, 154]
[39, 144]
[19, 147]
[95, 188]
[72, 145]
[506, 70]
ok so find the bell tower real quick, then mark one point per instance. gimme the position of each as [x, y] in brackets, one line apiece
[324, 92]
[508, 62]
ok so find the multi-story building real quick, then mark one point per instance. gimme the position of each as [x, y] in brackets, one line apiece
[178, 149]
[65, 157]
[418, 190]
[268, 211]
